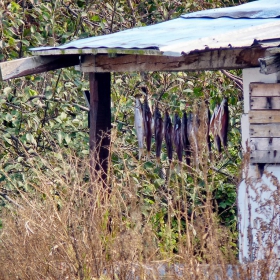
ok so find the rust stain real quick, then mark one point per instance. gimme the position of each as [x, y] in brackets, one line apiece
[250, 56]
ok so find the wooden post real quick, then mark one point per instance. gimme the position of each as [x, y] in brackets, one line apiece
[100, 122]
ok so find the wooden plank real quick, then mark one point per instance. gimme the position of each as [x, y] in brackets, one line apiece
[270, 65]
[265, 156]
[265, 144]
[261, 103]
[272, 50]
[108, 51]
[262, 89]
[264, 116]
[34, 65]
[265, 130]
[207, 60]
[100, 121]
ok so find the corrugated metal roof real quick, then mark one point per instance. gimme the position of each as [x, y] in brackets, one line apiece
[256, 9]
[182, 35]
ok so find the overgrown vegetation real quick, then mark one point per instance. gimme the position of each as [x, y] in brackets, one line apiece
[52, 226]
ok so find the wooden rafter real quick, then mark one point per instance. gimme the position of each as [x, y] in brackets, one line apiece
[35, 65]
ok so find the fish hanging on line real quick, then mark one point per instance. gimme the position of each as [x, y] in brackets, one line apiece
[193, 126]
[223, 121]
[158, 130]
[168, 131]
[147, 116]
[214, 129]
[177, 138]
[207, 127]
[185, 138]
[139, 125]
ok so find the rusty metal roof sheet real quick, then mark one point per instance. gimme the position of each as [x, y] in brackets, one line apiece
[183, 35]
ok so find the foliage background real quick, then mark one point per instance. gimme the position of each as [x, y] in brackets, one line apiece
[46, 114]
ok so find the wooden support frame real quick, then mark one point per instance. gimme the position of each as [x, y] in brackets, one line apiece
[128, 61]
[35, 65]
[100, 122]
[238, 58]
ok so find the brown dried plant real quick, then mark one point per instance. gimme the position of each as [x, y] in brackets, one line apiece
[60, 230]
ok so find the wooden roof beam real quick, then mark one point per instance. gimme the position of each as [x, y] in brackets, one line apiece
[35, 65]
[208, 60]
[271, 62]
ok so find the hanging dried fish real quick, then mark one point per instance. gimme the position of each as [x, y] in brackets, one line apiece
[168, 135]
[185, 139]
[147, 117]
[193, 125]
[177, 138]
[189, 126]
[153, 122]
[223, 121]
[158, 129]
[214, 128]
[207, 128]
[139, 125]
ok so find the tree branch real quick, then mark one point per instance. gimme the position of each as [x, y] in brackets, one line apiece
[234, 78]
[6, 197]
[83, 108]
[76, 15]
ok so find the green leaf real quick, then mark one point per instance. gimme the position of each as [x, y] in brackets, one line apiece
[8, 117]
[63, 116]
[14, 7]
[7, 139]
[95, 18]
[30, 138]
[25, 42]
[32, 92]
[60, 137]
[7, 90]
[67, 138]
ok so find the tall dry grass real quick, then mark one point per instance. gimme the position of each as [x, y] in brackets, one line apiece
[61, 230]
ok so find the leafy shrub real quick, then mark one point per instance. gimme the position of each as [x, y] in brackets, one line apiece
[44, 151]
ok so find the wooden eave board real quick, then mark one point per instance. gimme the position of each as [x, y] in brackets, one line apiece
[217, 59]
[119, 62]
[108, 51]
[35, 65]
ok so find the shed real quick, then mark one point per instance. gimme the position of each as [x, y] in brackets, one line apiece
[243, 37]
